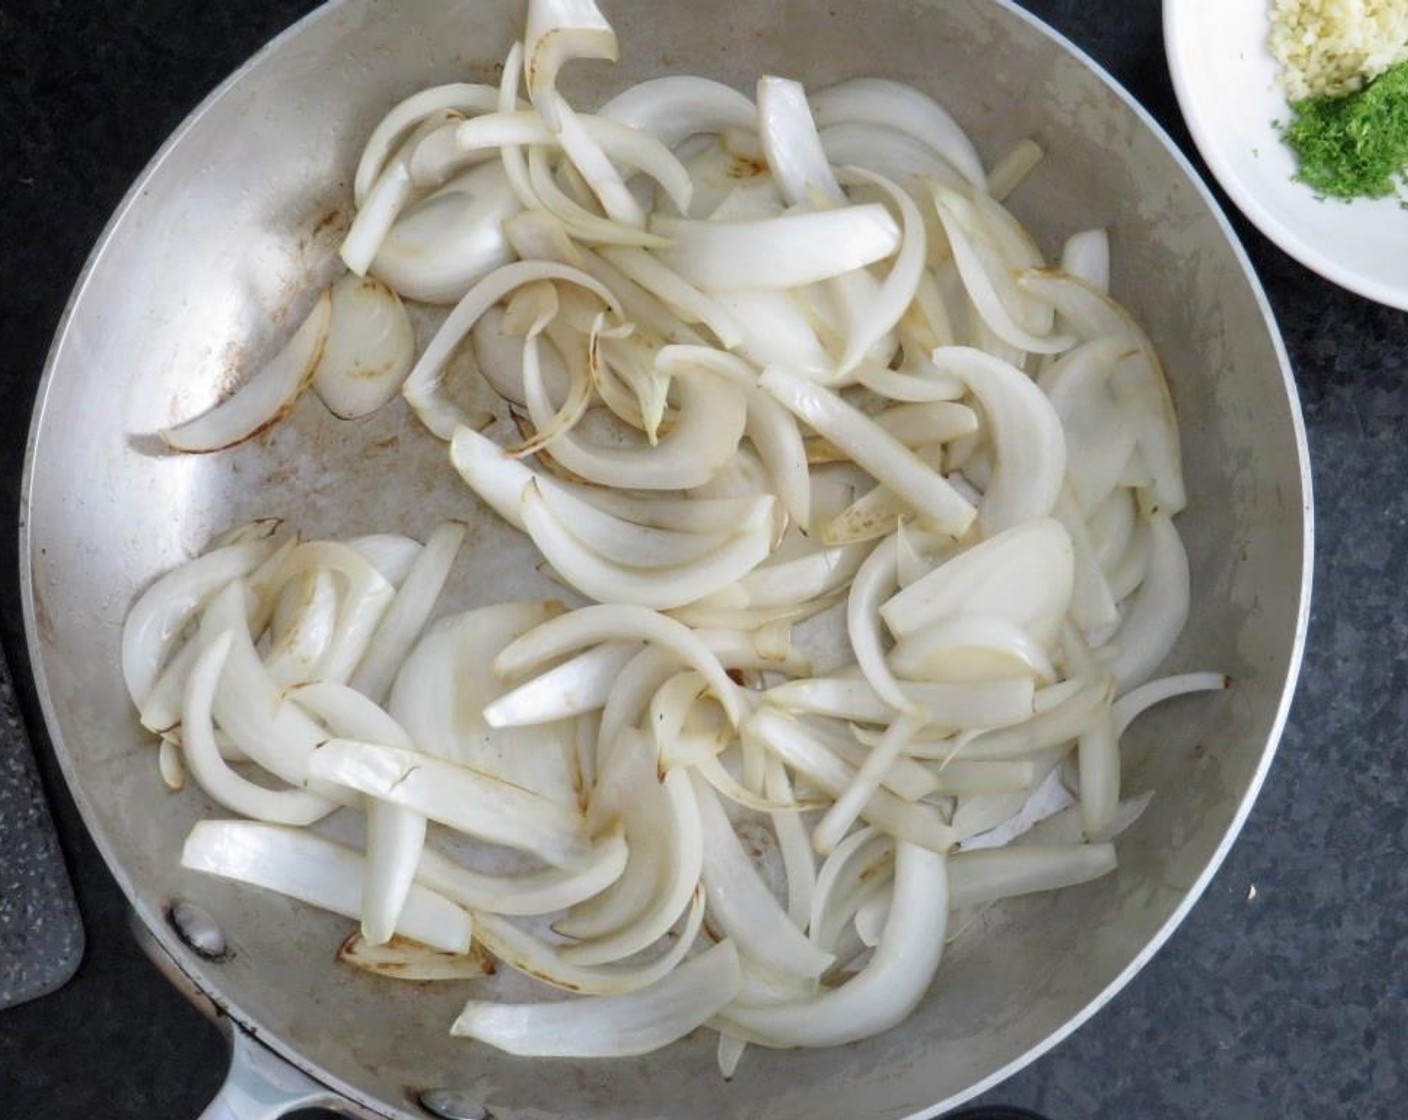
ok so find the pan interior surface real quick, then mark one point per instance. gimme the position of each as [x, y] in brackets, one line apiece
[220, 247]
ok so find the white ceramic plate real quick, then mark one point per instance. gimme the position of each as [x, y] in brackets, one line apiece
[1225, 78]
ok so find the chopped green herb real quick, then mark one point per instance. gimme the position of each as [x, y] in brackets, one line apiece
[1354, 146]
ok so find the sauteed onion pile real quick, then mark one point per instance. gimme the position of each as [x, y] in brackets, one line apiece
[869, 510]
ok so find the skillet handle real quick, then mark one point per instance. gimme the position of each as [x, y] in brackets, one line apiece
[261, 1085]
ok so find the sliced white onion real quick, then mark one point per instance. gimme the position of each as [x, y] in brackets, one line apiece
[1008, 172]
[610, 1026]
[890, 986]
[1053, 727]
[557, 32]
[786, 252]
[872, 448]
[441, 246]
[464, 799]
[837, 819]
[306, 867]
[1137, 701]
[265, 398]
[409, 611]
[1086, 256]
[979, 877]
[1024, 574]
[369, 348]
[400, 959]
[1159, 610]
[743, 907]
[1098, 758]
[971, 648]
[536, 892]
[212, 773]
[887, 104]
[799, 748]
[580, 684]
[790, 144]
[676, 107]
[604, 623]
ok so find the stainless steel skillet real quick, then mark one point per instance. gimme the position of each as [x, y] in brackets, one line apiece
[237, 219]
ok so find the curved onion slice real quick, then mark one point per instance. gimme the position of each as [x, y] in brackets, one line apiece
[889, 987]
[391, 554]
[265, 398]
[799, 748]
[712, 416]
[317, 871]
[422, 386]
[395, 840]
[887, 104]
[1031, 445]
[791, 146]
[990, 874]
[457, 97]
[163, 611]
[409, 611]
[971, 647]
[1024, 575]
[659, 588]
[446, 243]
[236, 793]
[1053, 727]
[786, 252]
[882, 313]
[536, 892]
[1159, 611]
[580, 684]
[616, 622]
[1134, 703]
[557, 32]
[842, 813]
[885, 151]
[611, 1026]
[464, 799]
[872, 448]
[369, 348]
[674, 108]
[1086, 256]
[998, 703]
[400, 959]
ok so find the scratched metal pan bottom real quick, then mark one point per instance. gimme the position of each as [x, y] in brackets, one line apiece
[235, 222]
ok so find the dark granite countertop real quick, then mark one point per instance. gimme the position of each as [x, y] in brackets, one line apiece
[1283, 995]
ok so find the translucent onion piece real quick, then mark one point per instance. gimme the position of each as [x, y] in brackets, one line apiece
[580, 684]
[888, 988]
[1098, 759]
[603, 623]
[837, 819]
[1160, 608]
[672, 821]
[971, 648]
[1051, 728]
[409, 611]
[713, 414]
[687, 301]
[1024, 575]
[659, 588]
[775, 330]
[994, 820]
[962, 779]
[791, 146]
[557, 32]
[610, 1026]
[369, 348]
[887, 104]
[876, 513]
[458, 97]
[1141, 385]
[170, 766]
[742, 905]
[785, 252]
[1136, 702]
[676, 107]
[1092, 605]
[884, 311]
[395, 839]
[1030, 443]
[464, 799]
[316, 871]
[872, 448]
[1066, 827]
[446, 243]
[400, 959]
[800, 749]
[886, 151]
[1086, 256]
[212, 773]
[422, 386]
[992, 874]
[798, 862]
[786, 582]
[265, 398]
[163, 611]
[778, 441]
[991, 704]
[536, 892]
[391, 554]
[875, 581]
